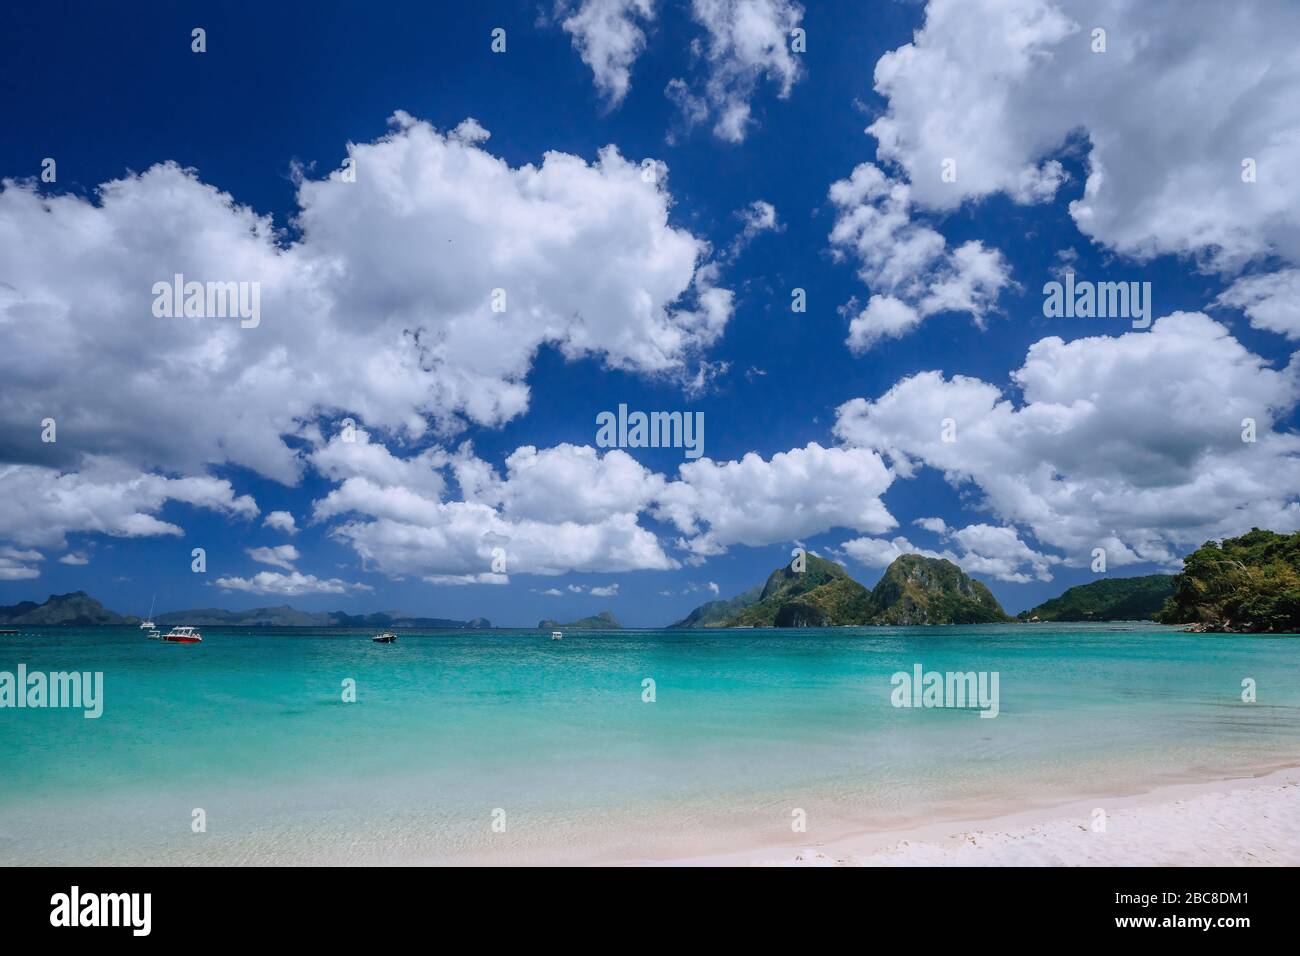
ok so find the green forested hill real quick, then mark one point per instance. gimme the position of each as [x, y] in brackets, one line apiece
[913, 590]
[1110, 599]
[77, 609]
[822, 595]
[1250, 583]
[920, 590]
[718, 613]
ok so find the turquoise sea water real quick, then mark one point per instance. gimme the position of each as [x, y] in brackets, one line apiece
[448, 727]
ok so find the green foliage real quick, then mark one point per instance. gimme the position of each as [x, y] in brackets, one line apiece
[919, 590]
[913, 590]
[718, 613]
[823, 592]
[1250, 583]
[1109, 599]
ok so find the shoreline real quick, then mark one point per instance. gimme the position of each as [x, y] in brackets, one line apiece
[1251, 818]
[1227, 821]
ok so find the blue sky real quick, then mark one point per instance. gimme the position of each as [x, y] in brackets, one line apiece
[1123, 439]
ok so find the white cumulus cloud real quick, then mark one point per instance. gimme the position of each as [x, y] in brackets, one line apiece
[745, 42]
[39, 506]
[281, 556]
[281, 521]
[1184, 93]
[1132, 443]
[383, 309]
[413, 298]
[1270, 300]
[908, 266]
[609, 35]
[757, 501]
[559, 509]
[18, 564]
[292, 584]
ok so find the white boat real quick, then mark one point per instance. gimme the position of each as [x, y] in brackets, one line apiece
[557, 635]
[147, 624]
[387, 637]
[183, 635]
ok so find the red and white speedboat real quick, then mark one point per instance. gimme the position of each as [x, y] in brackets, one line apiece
[183, 635]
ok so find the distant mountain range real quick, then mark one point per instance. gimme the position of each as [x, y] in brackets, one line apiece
[79, 609]
[604, 621]
[1250, 583]
[286, 616]
[913, 590]
[1110, 599]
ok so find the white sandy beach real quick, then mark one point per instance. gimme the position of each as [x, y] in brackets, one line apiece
[1239, 822]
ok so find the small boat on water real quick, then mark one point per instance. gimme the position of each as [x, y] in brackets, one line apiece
[557, 635]
[183, 635]
[387, 637]
[148, 625]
